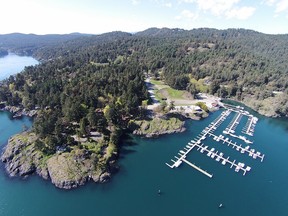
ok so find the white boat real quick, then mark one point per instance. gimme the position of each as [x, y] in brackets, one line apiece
[224, 161]
[218, 159]
[245, 139]
[241, 164]
[237, 169]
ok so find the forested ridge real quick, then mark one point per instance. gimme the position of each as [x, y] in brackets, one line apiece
[96, 82]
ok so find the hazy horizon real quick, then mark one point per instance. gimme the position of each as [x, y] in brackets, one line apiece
[135, 32]
[98, 16]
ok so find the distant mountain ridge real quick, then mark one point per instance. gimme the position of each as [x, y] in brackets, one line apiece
[26, 44]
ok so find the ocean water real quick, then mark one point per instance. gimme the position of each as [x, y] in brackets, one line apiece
[184, 191]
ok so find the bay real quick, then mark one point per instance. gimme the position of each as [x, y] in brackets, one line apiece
[184, 191]
[133, 190]
[12, 64]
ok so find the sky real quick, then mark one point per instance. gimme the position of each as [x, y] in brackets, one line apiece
[100, 16]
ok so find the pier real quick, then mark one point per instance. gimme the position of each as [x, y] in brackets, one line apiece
[250, 125]
[230, 130]
[251, 152]
[233, 124]
[220, 156]
[197, 168]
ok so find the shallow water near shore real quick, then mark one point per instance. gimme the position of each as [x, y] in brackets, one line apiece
[184, 191]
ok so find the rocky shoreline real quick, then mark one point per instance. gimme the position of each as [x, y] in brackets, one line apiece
[159, 133]
[151, 128]
[65, 170]
[18, 112]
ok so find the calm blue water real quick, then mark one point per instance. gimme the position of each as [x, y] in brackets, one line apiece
[12, 64]
[133, 190]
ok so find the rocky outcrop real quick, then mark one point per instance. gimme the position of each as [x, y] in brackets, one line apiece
[158, 126]
[65, 170]
[18, 112]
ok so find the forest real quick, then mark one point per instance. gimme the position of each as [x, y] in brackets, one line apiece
[91, 83]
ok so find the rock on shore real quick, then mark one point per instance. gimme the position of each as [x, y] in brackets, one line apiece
[65, 170]
[18, 112]
[158, 126]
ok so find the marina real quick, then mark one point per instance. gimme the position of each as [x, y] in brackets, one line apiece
[233, 124]
[250, 125]
[216, 155]
[230, 130]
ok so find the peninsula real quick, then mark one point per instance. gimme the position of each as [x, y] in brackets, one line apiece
[91, 89]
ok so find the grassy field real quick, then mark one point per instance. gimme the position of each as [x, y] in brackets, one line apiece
[165, 91]
[175, 94]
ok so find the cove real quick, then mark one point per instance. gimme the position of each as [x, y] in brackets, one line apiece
[133, 190]
[12, 64]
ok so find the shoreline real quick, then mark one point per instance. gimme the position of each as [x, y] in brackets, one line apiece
[49, 168]
[17, 112]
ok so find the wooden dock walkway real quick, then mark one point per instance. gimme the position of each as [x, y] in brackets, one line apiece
[220, 156]
[197, 168]
[251, 152]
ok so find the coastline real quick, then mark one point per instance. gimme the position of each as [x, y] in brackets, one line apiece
[65, 170]
[257, 106]
[18, 112]
[73, 168]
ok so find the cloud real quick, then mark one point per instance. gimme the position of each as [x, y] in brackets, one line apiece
[163, 3]
[136, 2]
[169, 5]
[216, 7]
[270, 2]
[224, 8]
[280, 5]
[187, 15]
[240, 13]
[186, 1]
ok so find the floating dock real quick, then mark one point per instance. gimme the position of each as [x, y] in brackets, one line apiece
[197, 168]
[219, 157]
[250, 125]
[251, 152]
[233, 124]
